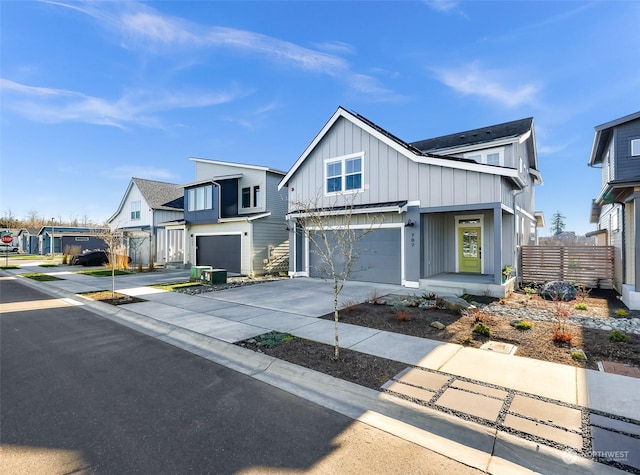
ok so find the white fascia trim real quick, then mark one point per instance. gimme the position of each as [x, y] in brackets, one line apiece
[525, 213]
[537, 177]
[259, 216]
[231, 220]
[523, 138]
[475, 147]
[237, 165]
[361, 226]
[474, 167]
[122, 202]
[389, 209]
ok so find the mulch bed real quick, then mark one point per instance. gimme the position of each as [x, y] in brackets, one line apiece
[371, 371]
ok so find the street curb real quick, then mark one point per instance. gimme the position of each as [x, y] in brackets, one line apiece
[472, 444]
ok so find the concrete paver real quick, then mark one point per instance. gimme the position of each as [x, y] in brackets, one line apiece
[613, 394]
[474, 404]
[424, 379]
[615, 424]
[410, 391]
[561, 436]
[616, 447]
[477, 388]
[547, 412]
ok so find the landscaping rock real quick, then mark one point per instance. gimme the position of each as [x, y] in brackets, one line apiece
[438, 325]
[558, 290]
[455, 304]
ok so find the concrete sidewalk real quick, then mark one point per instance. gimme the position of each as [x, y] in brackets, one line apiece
[521, 404]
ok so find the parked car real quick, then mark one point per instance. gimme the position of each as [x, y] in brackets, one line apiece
[92, 258]
[8, 248]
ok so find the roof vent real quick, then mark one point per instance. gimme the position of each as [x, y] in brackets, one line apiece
[475, 135]
[462, 136]
[488, 131]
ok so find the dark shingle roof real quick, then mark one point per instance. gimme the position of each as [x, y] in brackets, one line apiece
[476, 136]
[161, 195]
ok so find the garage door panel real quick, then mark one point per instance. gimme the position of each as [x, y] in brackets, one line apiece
[379, 258]
[221, 252]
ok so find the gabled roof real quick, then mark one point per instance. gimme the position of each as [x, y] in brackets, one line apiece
[159, 195]
[408, 150]
[603, 136]
[507, 130]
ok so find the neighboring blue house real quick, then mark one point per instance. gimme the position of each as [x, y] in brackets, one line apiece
[65, 237]
[448, 213]
[28, 240]
[616, 209]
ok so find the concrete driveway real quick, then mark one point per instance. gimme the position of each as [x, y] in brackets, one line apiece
[303, 296]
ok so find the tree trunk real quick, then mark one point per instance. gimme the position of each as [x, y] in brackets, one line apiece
[336, 352]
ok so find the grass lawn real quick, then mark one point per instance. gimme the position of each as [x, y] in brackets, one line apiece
[175, 285]
[102, 272]
[40, 277]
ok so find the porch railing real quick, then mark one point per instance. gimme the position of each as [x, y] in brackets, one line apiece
[591, 266]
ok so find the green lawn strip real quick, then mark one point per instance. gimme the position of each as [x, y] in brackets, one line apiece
[102, 272]
[47, 265]
[9, 267]
[40, 277]
[175, 285]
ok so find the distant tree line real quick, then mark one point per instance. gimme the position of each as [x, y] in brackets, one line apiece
[34, 220]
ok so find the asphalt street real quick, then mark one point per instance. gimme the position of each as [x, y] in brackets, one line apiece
[81, 394]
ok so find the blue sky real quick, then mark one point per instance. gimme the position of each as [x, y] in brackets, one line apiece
[94, 93]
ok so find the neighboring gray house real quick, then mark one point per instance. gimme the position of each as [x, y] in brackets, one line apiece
[143, 211]
[616, 210]
[453, 209]
[28, 240]
[234, 218]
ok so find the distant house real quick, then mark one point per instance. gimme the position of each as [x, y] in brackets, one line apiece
[28, 240]
[143, 211]
[616, 209]
[453, 209]
[65, 238]
[234, 218]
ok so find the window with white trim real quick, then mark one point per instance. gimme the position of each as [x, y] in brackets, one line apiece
[200, 198]
[251, 197]
[344, 174]
[135, 210]
[493, 156]
[635, 148]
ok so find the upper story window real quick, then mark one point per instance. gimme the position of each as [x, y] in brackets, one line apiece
[488, 157]
[635, 148]
[135, 210]
[344, 173]
[200, 198]
[251, 197]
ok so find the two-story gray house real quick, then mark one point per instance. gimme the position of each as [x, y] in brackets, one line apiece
[446, 213]
[616, 209]
[234, 218]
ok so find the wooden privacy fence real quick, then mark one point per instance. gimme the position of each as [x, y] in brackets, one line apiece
[591, 266]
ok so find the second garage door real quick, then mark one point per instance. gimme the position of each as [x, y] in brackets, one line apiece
[220, 252]
[379, 258]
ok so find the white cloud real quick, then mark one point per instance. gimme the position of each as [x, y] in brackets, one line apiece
[494, 85]
[443, 5]
[140, 26]
[51, 105]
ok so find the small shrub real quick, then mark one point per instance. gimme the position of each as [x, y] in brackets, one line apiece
[524, 325]
[402, 315]
[617, 336]
[467, 340]
[581, 306]
[375, 298]
[349, 305]
[582, 293]
[273, 339]
[578, 355]
[530, 290]
[139, 267]
[482, 329]
[621, 313]
[64, 259]
[562, 335]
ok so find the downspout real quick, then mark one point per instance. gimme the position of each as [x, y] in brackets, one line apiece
[516, 264]
[623, 248]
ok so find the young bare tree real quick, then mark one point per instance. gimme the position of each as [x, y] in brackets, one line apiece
[114, 246]
[334, 235]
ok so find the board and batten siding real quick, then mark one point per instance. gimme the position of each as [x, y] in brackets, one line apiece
[626, 166]
[388, 175]
[162, 216]
[123, 219]
[270, 232]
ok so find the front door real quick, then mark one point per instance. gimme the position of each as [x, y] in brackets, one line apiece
[469, 249]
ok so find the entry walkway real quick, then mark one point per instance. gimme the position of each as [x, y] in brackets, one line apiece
[580, 412]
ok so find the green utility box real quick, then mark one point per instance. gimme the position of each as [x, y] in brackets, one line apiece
[196, 272]
[214, 276]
